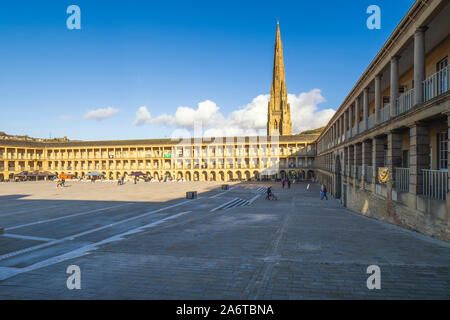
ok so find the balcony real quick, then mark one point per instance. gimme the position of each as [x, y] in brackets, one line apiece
[359, 172]
[362, 126]
[385, 113]
[436, 85]
[402, 179]
[368, 174]
[371, 121]
[405, 102]
[435, 184]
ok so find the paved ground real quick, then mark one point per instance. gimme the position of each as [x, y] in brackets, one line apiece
[146, 241]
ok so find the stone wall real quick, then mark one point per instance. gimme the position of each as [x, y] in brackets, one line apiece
[376, 205]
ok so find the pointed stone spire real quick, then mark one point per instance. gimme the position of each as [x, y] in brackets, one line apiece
[279, 113]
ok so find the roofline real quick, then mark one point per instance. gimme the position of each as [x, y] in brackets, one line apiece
[311, 138]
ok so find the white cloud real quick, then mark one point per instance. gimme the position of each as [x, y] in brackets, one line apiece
[248, 120]
[142, 116]
[101, 114]
[304, 111]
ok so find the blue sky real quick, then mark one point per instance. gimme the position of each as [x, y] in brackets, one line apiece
[163, 55]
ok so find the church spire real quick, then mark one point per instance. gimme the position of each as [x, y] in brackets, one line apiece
[279, 113]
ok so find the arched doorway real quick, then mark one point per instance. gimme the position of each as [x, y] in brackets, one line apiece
[188, 176]
[196, 176]
[292, 174]
[302, 175]
[230, 175]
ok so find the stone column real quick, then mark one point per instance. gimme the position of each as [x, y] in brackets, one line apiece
[394, 86]
[334, 134]
[345, 124]
[419, 148]
[350, 158]
[419, 64]
[366, 159]
[365, 107]
[394, 155]
[377, 156]
[345, 158]
[358, 161]
[350, 120]
[357, 112]
[377, 98]
[340, 127]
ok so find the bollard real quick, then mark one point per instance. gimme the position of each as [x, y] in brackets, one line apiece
[191, 195]
[225, 187]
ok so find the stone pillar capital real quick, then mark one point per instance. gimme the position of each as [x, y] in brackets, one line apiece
[395, 58]
[420, 30]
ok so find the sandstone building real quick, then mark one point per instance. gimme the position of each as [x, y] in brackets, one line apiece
[395, 121]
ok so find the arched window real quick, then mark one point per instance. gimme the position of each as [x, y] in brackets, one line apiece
[276, 124]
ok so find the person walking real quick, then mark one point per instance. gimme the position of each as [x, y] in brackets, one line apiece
[323, 192]
[289, 183]
[283, 183]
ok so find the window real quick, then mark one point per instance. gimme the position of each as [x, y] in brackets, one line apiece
[442, 150]
[442, 64]
[442, 75]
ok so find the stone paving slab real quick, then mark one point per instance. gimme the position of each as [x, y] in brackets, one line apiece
[298, 247]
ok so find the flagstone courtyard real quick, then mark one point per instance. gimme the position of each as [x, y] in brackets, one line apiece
[147, 241]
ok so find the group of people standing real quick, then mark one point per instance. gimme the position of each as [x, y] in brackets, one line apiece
[287, 182]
